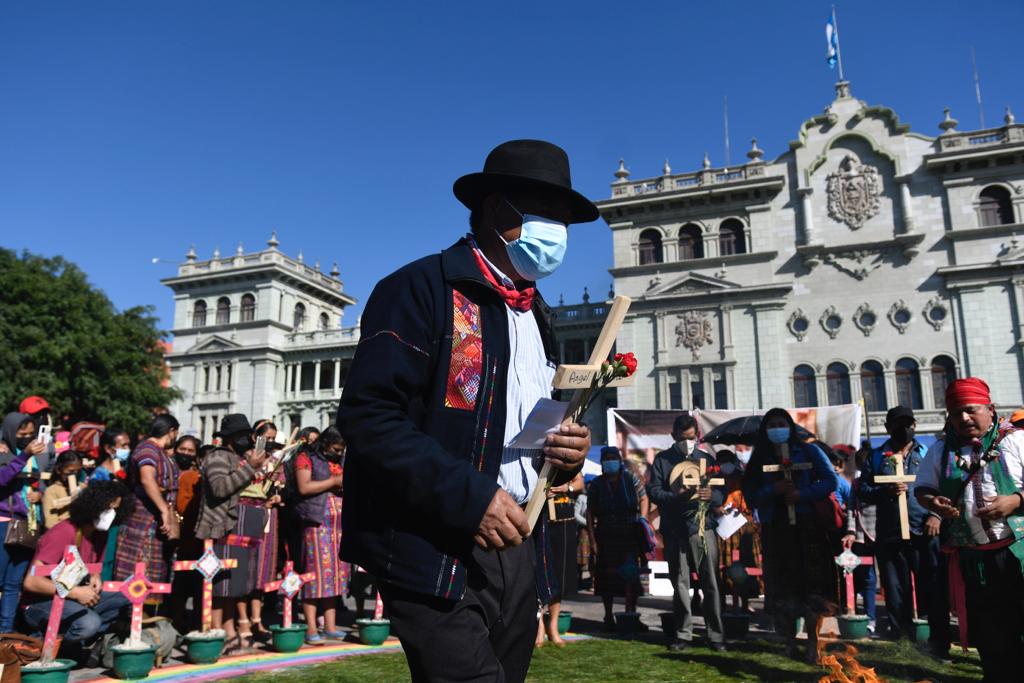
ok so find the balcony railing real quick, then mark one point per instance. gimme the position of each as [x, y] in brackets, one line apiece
[336, 336]
[249, 260]
[704, 178]
[957, 142]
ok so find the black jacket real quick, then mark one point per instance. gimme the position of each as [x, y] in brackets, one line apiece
[419, 473]
[679, 513]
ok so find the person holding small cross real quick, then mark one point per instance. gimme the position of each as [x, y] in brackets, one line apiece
[799, 571]
[972, 479]
[683, 540]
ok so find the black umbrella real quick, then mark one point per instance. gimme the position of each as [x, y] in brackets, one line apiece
[743, 430]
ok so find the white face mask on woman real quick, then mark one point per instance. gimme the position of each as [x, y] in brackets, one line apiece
[105, 519]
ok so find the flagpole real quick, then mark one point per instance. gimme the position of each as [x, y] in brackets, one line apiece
[839, 47]
[977, 88]
[725, 112]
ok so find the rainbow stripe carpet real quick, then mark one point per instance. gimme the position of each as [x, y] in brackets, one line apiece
[232, 667]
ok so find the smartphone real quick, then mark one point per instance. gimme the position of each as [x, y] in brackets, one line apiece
[45, 434]
[261, 444]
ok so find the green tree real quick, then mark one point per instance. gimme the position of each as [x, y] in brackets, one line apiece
[62, 338]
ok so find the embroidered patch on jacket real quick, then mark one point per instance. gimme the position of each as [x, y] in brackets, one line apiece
[467, 355]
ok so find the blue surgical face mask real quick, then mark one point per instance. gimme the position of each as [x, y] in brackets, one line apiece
[778, 434]
[122, 453]
[540, 248]
[611, 466]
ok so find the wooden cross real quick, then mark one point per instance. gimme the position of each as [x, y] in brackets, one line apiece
[208, 565]
[289, 584]
[689, 473]
[580, 378]
[72, 491]
[787, 471]
[137, 588]
[66, 575]
[899, 478]
[849, 561]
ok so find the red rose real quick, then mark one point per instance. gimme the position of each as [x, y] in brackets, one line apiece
[121, 474]
[628, 360]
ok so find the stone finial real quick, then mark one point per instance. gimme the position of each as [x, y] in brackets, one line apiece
[586, 296]
[721, 275]
[240, 251]
[755, 152]
[842, 90]
[216, 252]
[948, 123]
[300, 258]
[191, 255]
[334, 271]
[1008, 119]
[666, 169]
[561, 299]
[707, 161]
[622, 173]
[611, 291]
[316, 265]
[272, 242]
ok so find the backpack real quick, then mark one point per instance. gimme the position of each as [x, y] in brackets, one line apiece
[156, 631]
[85, 438]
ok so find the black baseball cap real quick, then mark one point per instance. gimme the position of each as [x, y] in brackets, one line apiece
[897, 412]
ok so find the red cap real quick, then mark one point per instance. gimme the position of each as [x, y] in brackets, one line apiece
[32, 405]
[966, 392]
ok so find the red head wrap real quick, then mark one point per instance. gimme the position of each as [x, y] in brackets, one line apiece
[966, 392]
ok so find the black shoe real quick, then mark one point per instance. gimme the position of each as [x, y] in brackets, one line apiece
[719, 647]
[609, 624]
[678, 646]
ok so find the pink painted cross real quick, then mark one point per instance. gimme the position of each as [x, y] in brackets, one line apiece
[66, 575]
[208, 565]
[849, 561]
[137, 588]
[289, 585]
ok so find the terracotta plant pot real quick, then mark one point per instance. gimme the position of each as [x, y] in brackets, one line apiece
[133, 663]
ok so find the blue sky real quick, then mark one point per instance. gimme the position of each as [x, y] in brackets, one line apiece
[130, 130]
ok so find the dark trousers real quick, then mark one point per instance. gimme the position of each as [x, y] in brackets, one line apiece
[486, 636]
[896, 560]
[933, 589]
[995, 611]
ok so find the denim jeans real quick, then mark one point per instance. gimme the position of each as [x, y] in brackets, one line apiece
[79, 623]
[865, 582]
[14, 562]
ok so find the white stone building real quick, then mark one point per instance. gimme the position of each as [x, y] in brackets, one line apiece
[867, 261]
[259, 334]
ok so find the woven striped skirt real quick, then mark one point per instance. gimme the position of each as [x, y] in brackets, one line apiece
[266, 563]
[320, 553]
[241, 545]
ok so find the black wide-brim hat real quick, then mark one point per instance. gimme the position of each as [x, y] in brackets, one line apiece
[233, 423]
[525, 165]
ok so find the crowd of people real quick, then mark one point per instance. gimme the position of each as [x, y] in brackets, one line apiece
[157, 498]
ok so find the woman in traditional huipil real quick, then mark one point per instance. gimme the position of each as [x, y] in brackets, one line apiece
[151, 531]
[318, 478]
[799, 570]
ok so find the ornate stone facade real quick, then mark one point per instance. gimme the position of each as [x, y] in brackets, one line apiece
[866, 255]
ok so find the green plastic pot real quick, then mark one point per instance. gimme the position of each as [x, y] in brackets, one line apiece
[132, 664]
[627, 623]
[735, 624]
[288, 638]
[921, 631]
[564, 622]
[853, 626]
[203, 650]
[57, 673]
[373, 631]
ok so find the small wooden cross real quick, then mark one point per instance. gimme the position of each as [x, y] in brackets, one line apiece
[899, 478]
[137, 588]
[849, 561]
[208, 565]
[66, 575]
[580, 378]
[787, 471]
[289, 585]
[72, 491]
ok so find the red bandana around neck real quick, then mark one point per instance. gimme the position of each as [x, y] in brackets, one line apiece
[517, 299]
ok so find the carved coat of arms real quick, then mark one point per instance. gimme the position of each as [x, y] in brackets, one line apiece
[694, 332]
[853, 192]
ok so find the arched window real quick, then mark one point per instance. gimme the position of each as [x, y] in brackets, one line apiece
[872, 385]
[325, 321]
[805, 391]
[837, 378]
[943, 373]
[730, 237]
[299, 319]
[908, 384]
[995, 207]
[650, 247]
[223, 310]
[199, 314]
[691, 242]
[248, 309]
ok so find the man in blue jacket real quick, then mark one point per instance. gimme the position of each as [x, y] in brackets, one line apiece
[455, 350]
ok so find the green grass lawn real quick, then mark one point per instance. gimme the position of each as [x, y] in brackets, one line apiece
[620, 660]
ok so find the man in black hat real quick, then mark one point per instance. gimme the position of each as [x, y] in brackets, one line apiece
[897, 559]
[455, 350]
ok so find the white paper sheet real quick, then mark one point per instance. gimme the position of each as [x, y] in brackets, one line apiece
[730, 523]
[545, 418]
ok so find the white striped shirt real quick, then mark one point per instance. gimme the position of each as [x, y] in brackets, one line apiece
[529, 379]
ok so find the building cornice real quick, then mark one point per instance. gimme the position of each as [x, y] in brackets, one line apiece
[260, 271]
[694, 264]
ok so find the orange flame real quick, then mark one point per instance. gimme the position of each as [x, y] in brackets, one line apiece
[842, 663]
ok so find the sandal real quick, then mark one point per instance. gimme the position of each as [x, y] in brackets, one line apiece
[316, 640]
[260, 634]
[335, 635]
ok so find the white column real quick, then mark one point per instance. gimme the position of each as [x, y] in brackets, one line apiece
[906, 204]
[337, 376]
[810, 237]
[316, 379]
